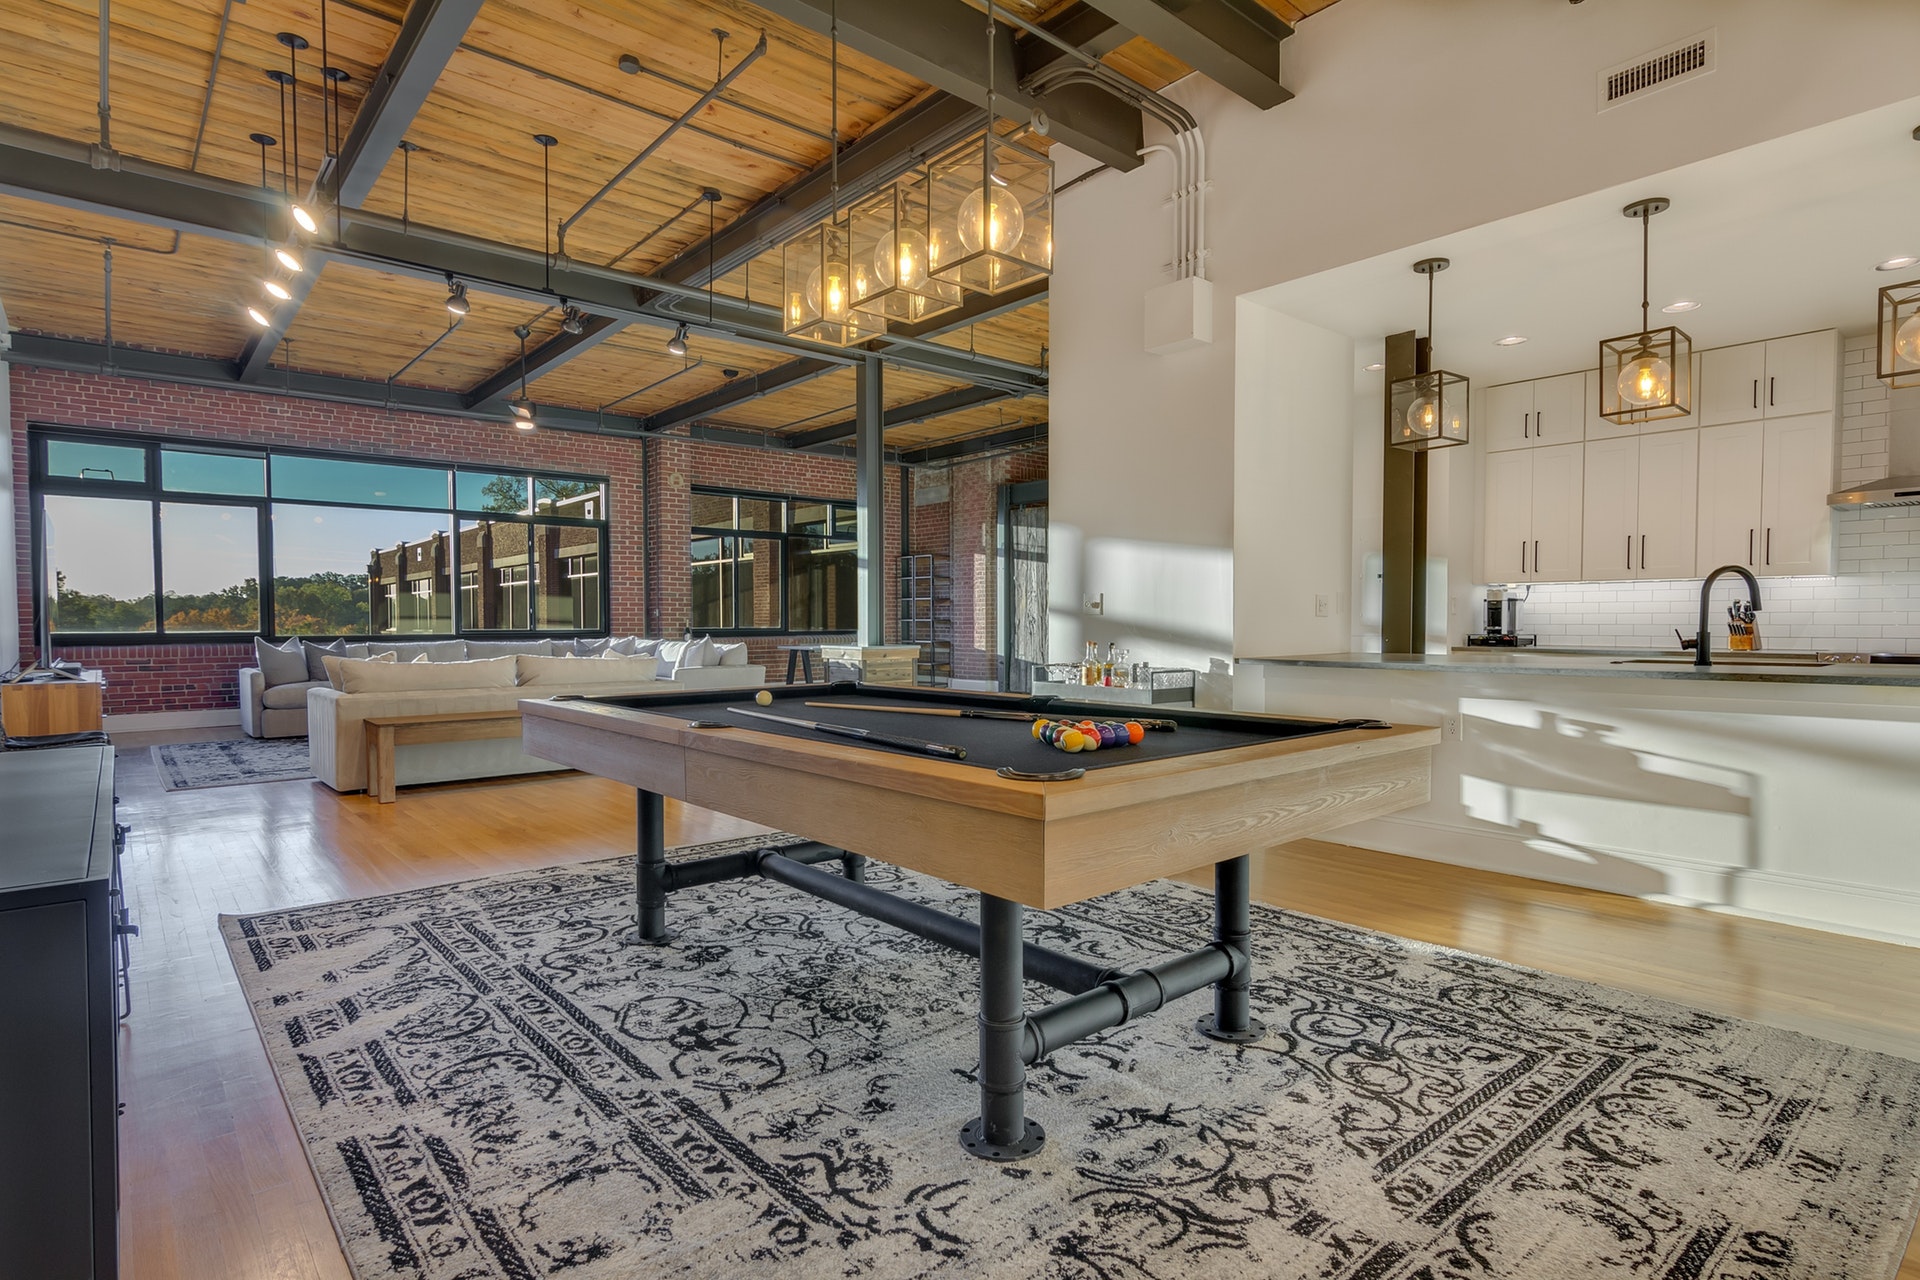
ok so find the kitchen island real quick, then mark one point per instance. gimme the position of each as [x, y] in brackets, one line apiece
[1789, 791]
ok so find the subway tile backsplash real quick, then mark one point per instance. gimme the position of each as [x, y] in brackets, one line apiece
[1872, 604]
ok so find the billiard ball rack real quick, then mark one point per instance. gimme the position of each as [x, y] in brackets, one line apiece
[1012, 1037]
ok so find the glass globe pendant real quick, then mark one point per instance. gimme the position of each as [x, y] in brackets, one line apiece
[1429, 409]
[992, 215]
[891, 246]
[1646, 376]
[821, 281]
[1899, 359]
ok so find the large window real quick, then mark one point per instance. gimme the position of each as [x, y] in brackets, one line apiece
[165, 539]
[761, 563]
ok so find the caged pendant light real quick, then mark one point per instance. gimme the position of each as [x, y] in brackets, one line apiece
[1899, 330]
[1646, 376]
[1429, 409]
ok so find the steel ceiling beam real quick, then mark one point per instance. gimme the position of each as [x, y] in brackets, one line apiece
[1080, 25]
[976, 308]
[943, 42]
[747, 387]
[954, 450]
[428, 36]
[918, 411]
[1234, 42]
[543, 359]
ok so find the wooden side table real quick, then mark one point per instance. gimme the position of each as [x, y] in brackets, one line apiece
[33, 709]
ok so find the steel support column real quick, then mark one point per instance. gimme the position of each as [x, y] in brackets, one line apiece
[870, 470]
[1403, 532]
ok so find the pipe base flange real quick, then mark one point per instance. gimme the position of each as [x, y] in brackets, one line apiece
[1209, 1027]
[973, 1139]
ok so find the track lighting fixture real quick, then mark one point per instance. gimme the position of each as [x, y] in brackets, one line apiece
[259, 317]
[677, 344]
[288, 258]
[572, 319]
[457, 297]
[303, 218]
[275, 290]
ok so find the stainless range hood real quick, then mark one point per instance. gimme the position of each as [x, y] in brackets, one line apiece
[1893, 491]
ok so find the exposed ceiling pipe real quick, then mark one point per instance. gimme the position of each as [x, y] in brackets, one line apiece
[106, 110]
[453, 322]
[647, 152]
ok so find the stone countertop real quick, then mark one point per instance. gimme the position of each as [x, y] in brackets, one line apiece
[1795, 669]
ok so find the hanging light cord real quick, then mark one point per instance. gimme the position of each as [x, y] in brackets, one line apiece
[293, 91]
[833, 100]
[1646, 247]
[546, 214]
[1430, 358]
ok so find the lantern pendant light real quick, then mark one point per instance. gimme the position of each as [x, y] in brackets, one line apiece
[889, 236]
[1899, 329]
[1428, 409]
[1646, 376]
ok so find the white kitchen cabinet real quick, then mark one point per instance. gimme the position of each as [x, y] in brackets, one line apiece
[1796, 525]
[1729, 497]
[1638, 507]
[1532, 531]
[1527, 415]
[1782, 377]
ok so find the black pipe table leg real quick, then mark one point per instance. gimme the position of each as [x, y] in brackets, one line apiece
[1232, 1018]
[854, 865]
[1002, 1131]
[650, 870]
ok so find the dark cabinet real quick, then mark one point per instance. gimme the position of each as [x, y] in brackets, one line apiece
[58, 1098]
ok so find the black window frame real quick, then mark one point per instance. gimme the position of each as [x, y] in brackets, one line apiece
[783, 537]
[152, 491]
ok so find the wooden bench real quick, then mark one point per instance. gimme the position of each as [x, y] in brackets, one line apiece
[384, 733]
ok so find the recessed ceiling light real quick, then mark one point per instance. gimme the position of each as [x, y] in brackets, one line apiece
[1685, 304]
[1511, 340]
[1375, 368]
[1896, 264]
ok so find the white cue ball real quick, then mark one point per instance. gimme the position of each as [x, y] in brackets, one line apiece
[764, 698]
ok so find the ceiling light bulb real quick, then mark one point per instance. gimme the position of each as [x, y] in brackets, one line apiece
[457, 299]
[901, 259]
[1511, 340]
[572, 321]
[677, 344]
[1684, 304]
[1906, 341]
[288, 258]
[1645, 381]
[305, 219]
[259, 317]
[994, 222]
[1433, 416]
[276, 290]
[827, 291]
[1896, 264]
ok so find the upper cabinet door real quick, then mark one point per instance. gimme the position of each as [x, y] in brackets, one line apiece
[1506, 416]
[1507, 548]
[1560, 409]
[1554, 548]
[1687, 420]
[1731, 387]
[1599, 428]
[1796, 525]
[1729, 509]
[1610, 520]
[1669, 500]
[1802, 374]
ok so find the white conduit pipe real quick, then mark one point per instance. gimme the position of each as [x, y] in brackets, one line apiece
[1179, 219]
[1200, 204]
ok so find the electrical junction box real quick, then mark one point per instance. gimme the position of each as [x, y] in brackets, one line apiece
[1179, 316]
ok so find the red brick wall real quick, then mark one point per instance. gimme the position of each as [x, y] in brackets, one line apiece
[201, 676]
[964, 527]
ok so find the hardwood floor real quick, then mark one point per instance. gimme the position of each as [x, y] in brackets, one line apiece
[214, 1185]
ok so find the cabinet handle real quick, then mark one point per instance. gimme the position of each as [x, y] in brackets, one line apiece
[1526, 426]
[1523, 556]
[1769, 544]
[1629, 551]
[1756, 393]
[1536, 555]
[1539, 433]
[1769, 393]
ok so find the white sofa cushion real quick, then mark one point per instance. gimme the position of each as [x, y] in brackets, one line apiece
[290, 697]
[606, 669]
[332, 661]
[512, 648]
[379, 677]
[677, 655]
[314, 652]
[281, 663]
[728, 655]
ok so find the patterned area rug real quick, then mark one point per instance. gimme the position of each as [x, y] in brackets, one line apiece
[187, 766]
[489, 1083]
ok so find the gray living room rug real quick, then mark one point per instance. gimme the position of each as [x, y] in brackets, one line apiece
[187, 766]
[488, 1082]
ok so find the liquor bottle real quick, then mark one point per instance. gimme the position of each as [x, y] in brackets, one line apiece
[1120, 672]
[1106, 668]
[1090, 664]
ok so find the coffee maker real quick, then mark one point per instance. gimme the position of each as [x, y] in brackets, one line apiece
[1502, 622]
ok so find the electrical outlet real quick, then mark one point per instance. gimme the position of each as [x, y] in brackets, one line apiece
[1098, 604]
[1450, 728]
[1322, 606]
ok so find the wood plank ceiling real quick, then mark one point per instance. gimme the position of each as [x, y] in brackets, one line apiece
[523, 67]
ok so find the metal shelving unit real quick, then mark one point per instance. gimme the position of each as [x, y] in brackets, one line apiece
[926, 615]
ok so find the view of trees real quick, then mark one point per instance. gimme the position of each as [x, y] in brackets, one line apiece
[320, 604]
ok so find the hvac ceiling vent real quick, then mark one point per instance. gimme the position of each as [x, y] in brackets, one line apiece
[1677, 63]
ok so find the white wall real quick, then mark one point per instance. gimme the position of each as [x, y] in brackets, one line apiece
[1413, 119]
[1292, 481]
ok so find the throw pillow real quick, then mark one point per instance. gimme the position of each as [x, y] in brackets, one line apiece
[376, 677]
[641, 648]
[432, 650]
[729, 655]
[280, 663]
[605, 670]
[332, 661]
[511, 648]
[583, 648]
[315, 669]
[670, 653]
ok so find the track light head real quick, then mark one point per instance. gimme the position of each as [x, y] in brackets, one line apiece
[523, 419]
[288, 258]
[304, 219]
[259, 317]
[677, 344]
[572, 320]
[275, 290]
[457, 297]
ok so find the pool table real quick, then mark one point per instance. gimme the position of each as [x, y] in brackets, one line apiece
[1213, 788]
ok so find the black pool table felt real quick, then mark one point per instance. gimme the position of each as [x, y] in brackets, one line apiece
[990, 744]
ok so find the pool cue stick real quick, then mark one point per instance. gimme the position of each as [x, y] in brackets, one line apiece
[977, 713]
[942, 749]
